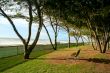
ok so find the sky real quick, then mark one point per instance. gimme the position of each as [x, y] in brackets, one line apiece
[6, 30]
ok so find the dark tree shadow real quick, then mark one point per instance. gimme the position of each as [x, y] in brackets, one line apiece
[52, 58]
[95, 60]
[18, 59]
[99, 60]
[8, 67]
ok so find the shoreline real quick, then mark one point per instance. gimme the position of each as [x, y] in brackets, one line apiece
[14, 45]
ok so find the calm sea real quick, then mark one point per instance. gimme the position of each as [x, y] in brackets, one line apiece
[16, 41]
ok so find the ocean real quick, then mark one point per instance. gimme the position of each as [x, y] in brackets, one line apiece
[16, 41]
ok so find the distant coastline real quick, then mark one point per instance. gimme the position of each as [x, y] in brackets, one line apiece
[17, 41]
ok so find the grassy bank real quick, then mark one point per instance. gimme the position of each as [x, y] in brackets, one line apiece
[89, 61]
[13, 55]
[6, 51]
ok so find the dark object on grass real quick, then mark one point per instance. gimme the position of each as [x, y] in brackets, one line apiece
[75, 55]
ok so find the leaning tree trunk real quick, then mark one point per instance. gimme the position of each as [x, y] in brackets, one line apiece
[82, 40]
[68, 37]
[108, 45]
[94, 45]
[55, 32]
[76, 38]
[105, 47]
[26, 54]
[49, 37]
[29, 49]
[105, 44]
[69, 40]
[56, 38]
[98, 41]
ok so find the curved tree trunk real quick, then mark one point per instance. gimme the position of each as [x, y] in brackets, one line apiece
[105, 44]
[82, 40]
[31, 47]
[56, 38]
[69, 43]
[108, 45]
[68, 31]
[49, 37]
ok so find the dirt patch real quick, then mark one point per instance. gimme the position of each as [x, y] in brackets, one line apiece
[66, 56]
[102, 68]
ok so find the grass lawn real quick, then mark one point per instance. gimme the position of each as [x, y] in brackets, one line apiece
[15, 50]
[60, 61]
[9, 57]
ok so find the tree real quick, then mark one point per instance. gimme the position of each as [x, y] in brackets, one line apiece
[93, 13]
[28, 48]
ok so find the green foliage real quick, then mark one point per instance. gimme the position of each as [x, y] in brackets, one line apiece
[35, 19]
[19, 15]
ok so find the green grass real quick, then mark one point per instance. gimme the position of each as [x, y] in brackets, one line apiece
[10, 51]
[38, 66]
[16, 64]
[14, 59]
[9, 62]
[15, 50]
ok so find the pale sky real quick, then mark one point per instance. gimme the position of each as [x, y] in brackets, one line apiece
[6, 30]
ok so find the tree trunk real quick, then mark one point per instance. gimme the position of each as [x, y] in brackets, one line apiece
[29, 49]
[82, 40]
[105, 47]
[56, 33]
[76, 42]
[98, 41]
[55, 42]
[26, 55]
[105, 44]
[89, 40]
[69, 40]
[94, 46]
[49, 37]
[76, 38]
[108, 45]
[68, 37]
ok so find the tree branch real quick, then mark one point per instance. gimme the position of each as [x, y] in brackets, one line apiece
[14, 28]
[30, 22]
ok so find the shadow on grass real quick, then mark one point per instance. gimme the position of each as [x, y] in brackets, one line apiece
[9, 62]
[11, 65]
[96, 60]
[99, 60]
[52, 58]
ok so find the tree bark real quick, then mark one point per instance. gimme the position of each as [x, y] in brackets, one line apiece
[98, 41]
[55, 32]
[26, 55]
[49, 37]
[108, 46]
[69, 40]
[56, 38]
[14, 28]
[82, 40]
[39, 28]
[68, 31]
[105, 45]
